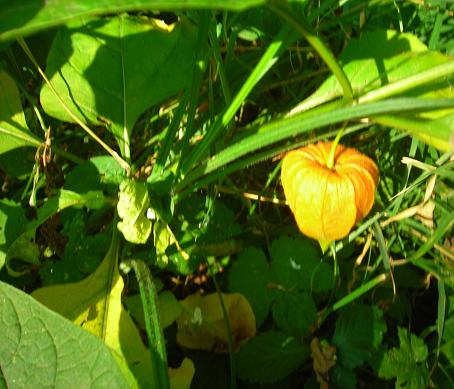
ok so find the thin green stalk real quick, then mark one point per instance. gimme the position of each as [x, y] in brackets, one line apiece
[268, 59]
[332, 152]
[69, 156]
[336, 271]
[220, 65]
[149, 298]
[113, 153]
[354, 295]
[382, 246]
[441, 313]
[270, 179]
[166, 145]
[228, 328]
[283, 10]
[199, 68]
[446, 224]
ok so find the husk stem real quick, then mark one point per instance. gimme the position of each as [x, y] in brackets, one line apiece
[331, 158]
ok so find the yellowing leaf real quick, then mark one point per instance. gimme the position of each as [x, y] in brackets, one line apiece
[202, 325]
[132, 206]
[181, 377]
[95, 304]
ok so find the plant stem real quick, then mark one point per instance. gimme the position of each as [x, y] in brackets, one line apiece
[156, 340]
[283, 10]
[228, 328]
[353, 296]
[113, 153]
[332, 152]
[359, 292]
[69, 156]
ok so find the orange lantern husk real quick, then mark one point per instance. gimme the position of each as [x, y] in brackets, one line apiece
[326, 202]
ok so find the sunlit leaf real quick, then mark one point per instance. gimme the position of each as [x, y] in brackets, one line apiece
[41, 349]
[18, 20]
[132, 208]
[14, 132]
[181, 377]
[95, 304]
[128, 64]
[12, 223]
[379, 58]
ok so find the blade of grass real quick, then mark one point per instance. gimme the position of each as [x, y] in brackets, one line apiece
[366, 287]
[200, 66]
[435, 35]
[250, 160]
[441, 313]
[290, 127]
[446, 224]
[228, 329]
[382, 246]
[149, 298]
[283, 9]
[425, 77]
[268, 59]
[359, 292]
[220, 65]
[166, 145]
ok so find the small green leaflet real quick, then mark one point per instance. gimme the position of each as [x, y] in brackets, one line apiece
[407, 363]
[132, 206]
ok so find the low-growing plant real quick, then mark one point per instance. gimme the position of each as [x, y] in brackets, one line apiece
[147, 238]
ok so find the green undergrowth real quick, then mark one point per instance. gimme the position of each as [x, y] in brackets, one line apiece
[145, 239]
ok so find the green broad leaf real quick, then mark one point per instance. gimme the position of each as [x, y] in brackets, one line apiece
[342, 378]
[12, 225]
[14, 132]
[41, 349]
[294, 312]
[407, 363]
[95, 304]
[24, 248]
[270, 357]
[359, 332]
[168, 306]
[436, 132]
[128, 65]
[298, 264]
[251, 276]
[379, 58]
[98, 173]
[132, 208]
[18, 163]
[19, 19]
